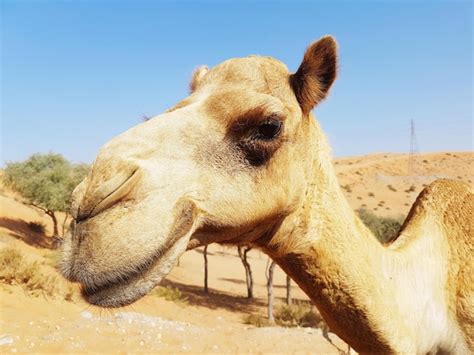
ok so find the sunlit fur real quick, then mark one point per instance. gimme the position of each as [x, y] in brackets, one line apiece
[186, 178]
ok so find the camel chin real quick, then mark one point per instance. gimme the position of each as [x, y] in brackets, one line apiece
[131, 288]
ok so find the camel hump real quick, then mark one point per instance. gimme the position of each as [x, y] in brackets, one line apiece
[449, 186]
[450, 203]
[445, 197]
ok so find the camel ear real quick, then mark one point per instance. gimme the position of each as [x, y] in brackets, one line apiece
[196, 79]
[316, 73]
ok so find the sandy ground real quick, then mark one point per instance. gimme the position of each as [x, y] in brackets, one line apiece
[207, 322]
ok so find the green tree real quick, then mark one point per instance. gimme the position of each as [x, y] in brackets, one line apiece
[46, 181]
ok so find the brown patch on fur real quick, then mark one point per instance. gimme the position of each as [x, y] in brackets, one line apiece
[317, 72]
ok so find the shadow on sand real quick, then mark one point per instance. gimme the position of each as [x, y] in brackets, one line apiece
[242, 282]
[216, 299]
[23, 230]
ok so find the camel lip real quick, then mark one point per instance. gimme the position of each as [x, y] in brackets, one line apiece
[90, 290]
[134, 285]
[114, 295]
[127, 288]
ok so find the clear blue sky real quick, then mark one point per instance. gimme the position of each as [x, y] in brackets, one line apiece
[76, 73]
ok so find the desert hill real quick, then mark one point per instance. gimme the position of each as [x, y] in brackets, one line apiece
[191, 321]
[384, 184]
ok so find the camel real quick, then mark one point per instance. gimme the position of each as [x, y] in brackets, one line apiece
[242, 160]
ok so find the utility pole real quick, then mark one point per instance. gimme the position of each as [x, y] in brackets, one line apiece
[413, 150]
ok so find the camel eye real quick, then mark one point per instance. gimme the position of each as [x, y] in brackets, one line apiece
[269, 130]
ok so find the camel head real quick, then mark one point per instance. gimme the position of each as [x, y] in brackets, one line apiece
[228, 164]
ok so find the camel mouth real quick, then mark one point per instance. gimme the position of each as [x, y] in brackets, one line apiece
[140, 280]
[134, 285]
[126, 288]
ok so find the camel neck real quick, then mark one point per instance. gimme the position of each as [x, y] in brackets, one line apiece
[334, 257]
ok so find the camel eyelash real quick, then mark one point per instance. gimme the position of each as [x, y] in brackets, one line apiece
[257, 151]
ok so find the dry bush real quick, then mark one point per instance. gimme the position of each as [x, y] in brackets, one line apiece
[385, 229]
[370, 194]
[298, 315]
[170, 294]
[391, 188]
[294, 315]
[16, 270]
[256, 320]
[52, 257]
[347, 188]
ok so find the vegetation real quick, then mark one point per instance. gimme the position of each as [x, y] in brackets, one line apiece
[295, 315]
[170, 294]
[257, 320]
[384, 228]
[46, 182]
[298, 315]
[16, 270]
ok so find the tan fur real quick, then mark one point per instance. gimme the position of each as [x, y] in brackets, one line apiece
[208, 171]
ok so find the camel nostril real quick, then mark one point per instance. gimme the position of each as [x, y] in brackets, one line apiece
[106, 195]
[80, 216]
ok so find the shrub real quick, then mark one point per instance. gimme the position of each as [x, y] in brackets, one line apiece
[347, 188]
[256, 320]
[170, 294]
[294, 315]
[391, 188]
[385, 229]
[298, 315]
[16, 270]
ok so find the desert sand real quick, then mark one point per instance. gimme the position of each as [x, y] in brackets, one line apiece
[210, 323]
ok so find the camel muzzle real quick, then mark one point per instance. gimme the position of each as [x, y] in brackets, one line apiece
[106, 195]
